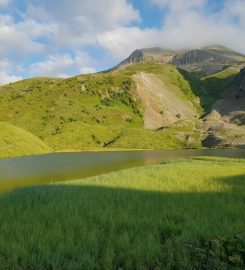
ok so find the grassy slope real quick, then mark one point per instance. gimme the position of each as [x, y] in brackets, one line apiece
[103, 111]
[180, 215]
[89, 111]
[217, 83]
[210, 88]
[15, 141]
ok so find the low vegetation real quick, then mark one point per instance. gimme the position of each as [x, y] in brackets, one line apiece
[15, 141]
[217, 83]
[185, 214]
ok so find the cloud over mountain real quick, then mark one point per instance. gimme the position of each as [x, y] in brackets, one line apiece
[45, 36]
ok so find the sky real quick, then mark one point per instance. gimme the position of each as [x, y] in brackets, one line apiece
[62, 38]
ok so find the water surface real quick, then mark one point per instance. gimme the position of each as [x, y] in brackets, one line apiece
[22, 171]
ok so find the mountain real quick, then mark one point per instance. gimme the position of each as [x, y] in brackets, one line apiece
[151, 54]
[144, 103]
[204, 61]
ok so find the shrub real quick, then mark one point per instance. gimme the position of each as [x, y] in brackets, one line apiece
[71, 119]
[107, 101]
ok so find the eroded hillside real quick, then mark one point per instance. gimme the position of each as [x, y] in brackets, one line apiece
[162, 105]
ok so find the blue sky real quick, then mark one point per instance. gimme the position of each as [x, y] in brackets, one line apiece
[61, 38]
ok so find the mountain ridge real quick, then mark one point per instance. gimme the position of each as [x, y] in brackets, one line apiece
[206, 60]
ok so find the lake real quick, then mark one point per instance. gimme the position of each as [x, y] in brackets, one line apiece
[23, 171]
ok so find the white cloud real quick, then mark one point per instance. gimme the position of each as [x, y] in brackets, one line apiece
[5, 70]
[62, 65]
[122, 41]
[94, 14]
[87, 70]
[78, 22]
[179, 4]
[54, 66]
[18, 39]
[4, 2]
[187, 24]
[5, 78]
[195, 27]
[48, 28]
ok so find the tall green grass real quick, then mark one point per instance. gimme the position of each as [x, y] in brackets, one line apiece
[181, 215]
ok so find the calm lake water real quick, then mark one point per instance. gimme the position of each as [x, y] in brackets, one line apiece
[22, 171]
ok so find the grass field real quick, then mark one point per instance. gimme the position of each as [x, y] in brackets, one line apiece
[185, 214]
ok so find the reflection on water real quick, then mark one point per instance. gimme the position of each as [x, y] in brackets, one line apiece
[61, 166]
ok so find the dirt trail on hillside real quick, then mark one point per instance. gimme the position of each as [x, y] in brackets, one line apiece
[162, 106]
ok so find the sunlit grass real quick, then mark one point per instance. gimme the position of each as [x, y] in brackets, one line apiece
[15, 141]
[189, 176]
[169, 216]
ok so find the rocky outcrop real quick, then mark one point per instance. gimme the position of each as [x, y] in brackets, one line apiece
[198, 56]
[134, 57]
[155, 54]
[225, 125]
[204, 61]
[212, 140]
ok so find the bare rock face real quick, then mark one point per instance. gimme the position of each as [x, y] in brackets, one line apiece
[203, 61]
[154, 54]
[136, 56]
[198, 56]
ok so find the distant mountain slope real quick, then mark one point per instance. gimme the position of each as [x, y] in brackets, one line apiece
[205, 61]
[225, 125]
[15, 141]
[150, 54]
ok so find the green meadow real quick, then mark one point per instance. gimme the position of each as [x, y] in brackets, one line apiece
[183, 214]
[103, 111]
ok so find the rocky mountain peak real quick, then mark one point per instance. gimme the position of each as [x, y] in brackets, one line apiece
[204, 61]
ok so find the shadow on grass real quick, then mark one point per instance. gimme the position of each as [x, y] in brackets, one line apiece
[98, 227]
[208, 90]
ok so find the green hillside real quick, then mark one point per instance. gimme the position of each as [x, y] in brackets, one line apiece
[15, 141]
[93, 111]
[104, 110]
[217, 83]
